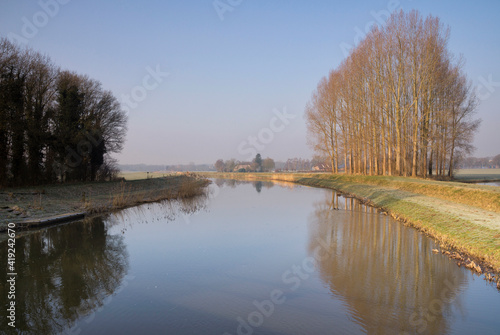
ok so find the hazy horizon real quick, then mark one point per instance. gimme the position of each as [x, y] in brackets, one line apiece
[202, 82]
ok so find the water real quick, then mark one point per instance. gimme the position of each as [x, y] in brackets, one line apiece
[490, 183]
[252, 258]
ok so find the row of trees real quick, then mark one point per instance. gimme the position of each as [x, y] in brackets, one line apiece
[400, 104]
[55, 125]
[256, 165]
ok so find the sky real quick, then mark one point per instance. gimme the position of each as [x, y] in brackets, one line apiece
[202, 79]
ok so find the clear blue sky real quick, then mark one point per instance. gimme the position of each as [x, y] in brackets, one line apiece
[227, 76]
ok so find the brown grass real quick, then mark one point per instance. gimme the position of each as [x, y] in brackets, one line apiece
[32, 203]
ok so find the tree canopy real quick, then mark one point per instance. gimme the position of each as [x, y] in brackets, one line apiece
[55, 125]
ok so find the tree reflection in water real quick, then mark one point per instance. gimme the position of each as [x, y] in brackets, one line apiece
[63, 273]
[384, 272]
[259, 184]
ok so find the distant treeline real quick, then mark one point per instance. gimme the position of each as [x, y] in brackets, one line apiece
[55, 125]
[258, 164]
[317, 163]
[400, 104]
[481, 163]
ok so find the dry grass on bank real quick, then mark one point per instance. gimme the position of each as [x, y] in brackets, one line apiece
[32, 203]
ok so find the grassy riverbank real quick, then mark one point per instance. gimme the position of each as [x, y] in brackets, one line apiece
[21, 204]
[464, 218]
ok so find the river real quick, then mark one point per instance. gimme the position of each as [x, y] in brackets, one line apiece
[249, 258]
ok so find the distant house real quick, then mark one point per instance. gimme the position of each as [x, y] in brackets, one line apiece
[243, 168]
[321, 168]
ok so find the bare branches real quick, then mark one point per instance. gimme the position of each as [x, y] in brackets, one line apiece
[399, 104]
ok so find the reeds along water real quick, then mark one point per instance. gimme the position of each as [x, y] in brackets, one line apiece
[180, 187]
[384, 271]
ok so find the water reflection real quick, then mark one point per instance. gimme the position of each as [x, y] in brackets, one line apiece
[200, 276]
[168, 210]
[258, 185]
[67, 272]
[232, 183]
[63, 274]
[385, 273]
[490, 183]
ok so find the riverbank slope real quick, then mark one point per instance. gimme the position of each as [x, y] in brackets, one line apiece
[463, 218]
